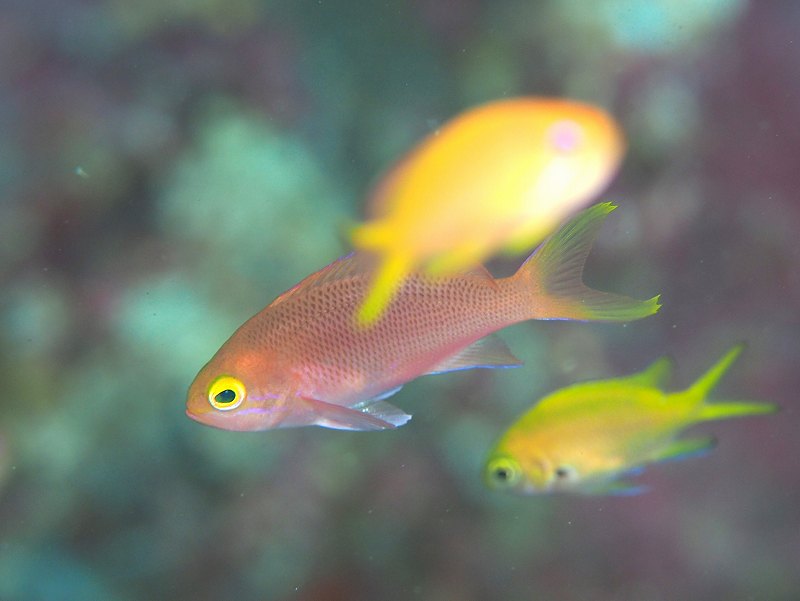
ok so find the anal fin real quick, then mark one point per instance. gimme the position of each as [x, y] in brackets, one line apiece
[487, 352]
[617, 488]
[382, 396]
[683, 449]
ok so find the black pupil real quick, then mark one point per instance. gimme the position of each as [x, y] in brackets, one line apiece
[226, 397]
[501, 473]
[561, 472]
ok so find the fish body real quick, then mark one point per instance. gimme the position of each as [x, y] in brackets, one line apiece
[304, 361]
[583, 438]
[500, 176]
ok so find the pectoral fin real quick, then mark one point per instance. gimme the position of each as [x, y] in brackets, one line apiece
[330, 415]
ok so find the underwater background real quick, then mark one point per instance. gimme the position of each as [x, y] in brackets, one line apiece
[168, 167]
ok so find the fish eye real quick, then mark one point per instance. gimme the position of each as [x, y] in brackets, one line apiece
[503, 472]
[226, 393]
[564, 472]
[565, 136]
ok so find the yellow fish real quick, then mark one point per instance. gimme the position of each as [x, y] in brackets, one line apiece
[303, 361]
[583, 438]
[500, 176]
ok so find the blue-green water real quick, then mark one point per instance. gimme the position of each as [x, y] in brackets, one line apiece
[167, 168]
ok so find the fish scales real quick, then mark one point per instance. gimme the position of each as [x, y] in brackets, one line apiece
[431, 320]
[304, 359]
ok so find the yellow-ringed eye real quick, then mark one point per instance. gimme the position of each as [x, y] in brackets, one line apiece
[503, 472]
[226, 393]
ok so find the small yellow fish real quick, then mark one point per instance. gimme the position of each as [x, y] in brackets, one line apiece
[584, 437]
[500, 176]
[303, 361]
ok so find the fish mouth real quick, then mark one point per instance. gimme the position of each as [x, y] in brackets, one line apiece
[202, 418]
[247, 420]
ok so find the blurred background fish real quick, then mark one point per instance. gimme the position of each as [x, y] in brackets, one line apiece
[303, 361]
[500, 176]
[585, 437]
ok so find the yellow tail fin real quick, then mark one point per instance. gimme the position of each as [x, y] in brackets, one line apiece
[555, 272]
[723, 409]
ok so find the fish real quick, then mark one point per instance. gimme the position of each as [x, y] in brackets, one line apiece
[499, 177]
[589, 437]
[302, 360]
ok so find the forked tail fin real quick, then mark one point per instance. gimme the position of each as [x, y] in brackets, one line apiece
[726, 409]
[555, 270]
[706, 383]
[698, 392]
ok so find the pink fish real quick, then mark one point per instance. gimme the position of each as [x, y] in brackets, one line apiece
[303, 360]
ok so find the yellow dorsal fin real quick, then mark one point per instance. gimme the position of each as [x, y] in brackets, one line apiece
[657, 374]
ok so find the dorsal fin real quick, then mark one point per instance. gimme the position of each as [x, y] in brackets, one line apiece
[657, 374]
[479, 271]
[354, 264]
[349, 265]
